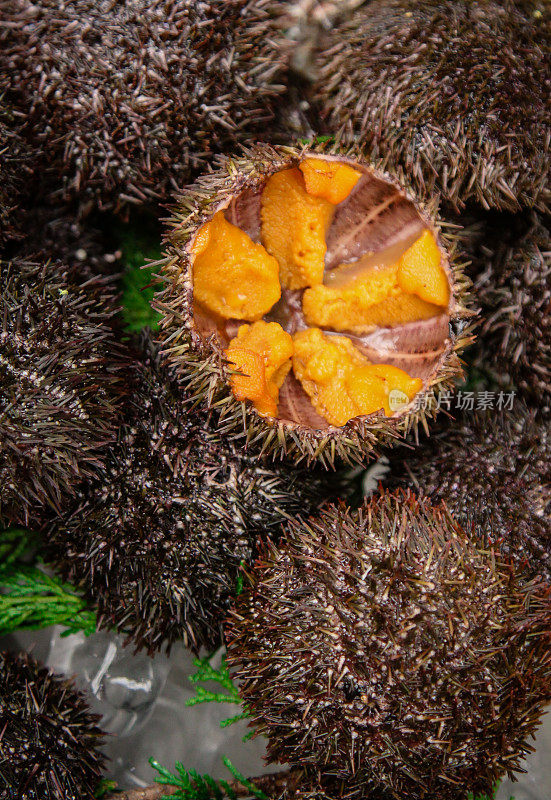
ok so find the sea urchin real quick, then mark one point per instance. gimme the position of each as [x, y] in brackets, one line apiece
[454, 90]
[493, 470]
[60, 392]
[158, 540]
[311, 300]
[129, 98]
[392, 652]
[50, 739]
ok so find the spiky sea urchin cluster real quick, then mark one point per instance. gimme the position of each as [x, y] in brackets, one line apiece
[50, 739]
[511, 270]
[390, 650]
[456, 91]
[494, 471]
[378, 219]
[158, 541]
[130, 97]
[59, 390]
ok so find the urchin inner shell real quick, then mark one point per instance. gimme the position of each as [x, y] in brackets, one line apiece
[493, 470]
[388, 649]
[457, 92]
[157, 541]
[61, 385]
[130, 98]
[378, 220]
[50, 740]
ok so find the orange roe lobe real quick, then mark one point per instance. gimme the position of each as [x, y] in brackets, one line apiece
[201, 241]
[272, 348]
[232, 275]
[330, 180]
[415, 288]
[251, 383]
[342, 384]
[382, 386]
[294, 225]
[420, 271]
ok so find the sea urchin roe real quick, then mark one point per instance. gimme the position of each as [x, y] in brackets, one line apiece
[262, 352]
[420, 271]
[415, 288]
[232, 275]
[294, 224]
[341, 383]
[330, 180]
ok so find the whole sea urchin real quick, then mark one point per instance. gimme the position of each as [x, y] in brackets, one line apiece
[158, 541]
[455, 91]
[493, 472]
[59, 392]
[311, 300]
[50, 740]
[511, 271]
[389, 650]
[130, 97]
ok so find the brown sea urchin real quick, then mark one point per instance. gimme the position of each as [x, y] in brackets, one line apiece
[59, 392]
[130, 97]
[455, 91]
[50, 741]
[389, 650]
[157, 542]
[493, 470]
[306, 291]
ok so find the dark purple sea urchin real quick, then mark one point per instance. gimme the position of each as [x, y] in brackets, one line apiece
[392, 652]
[60, 385]
[50, 739]
[158, 541]
[128, 98]
[455, 91]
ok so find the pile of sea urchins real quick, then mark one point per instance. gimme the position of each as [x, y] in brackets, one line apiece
[358, 192]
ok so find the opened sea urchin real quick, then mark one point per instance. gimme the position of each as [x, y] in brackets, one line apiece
[158, 540]
[128, 98]
[60, 391]
[50, 741]
[309, 295]
[393, 652]
[455, 91]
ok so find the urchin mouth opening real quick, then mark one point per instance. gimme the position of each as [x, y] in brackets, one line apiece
[327, 292]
